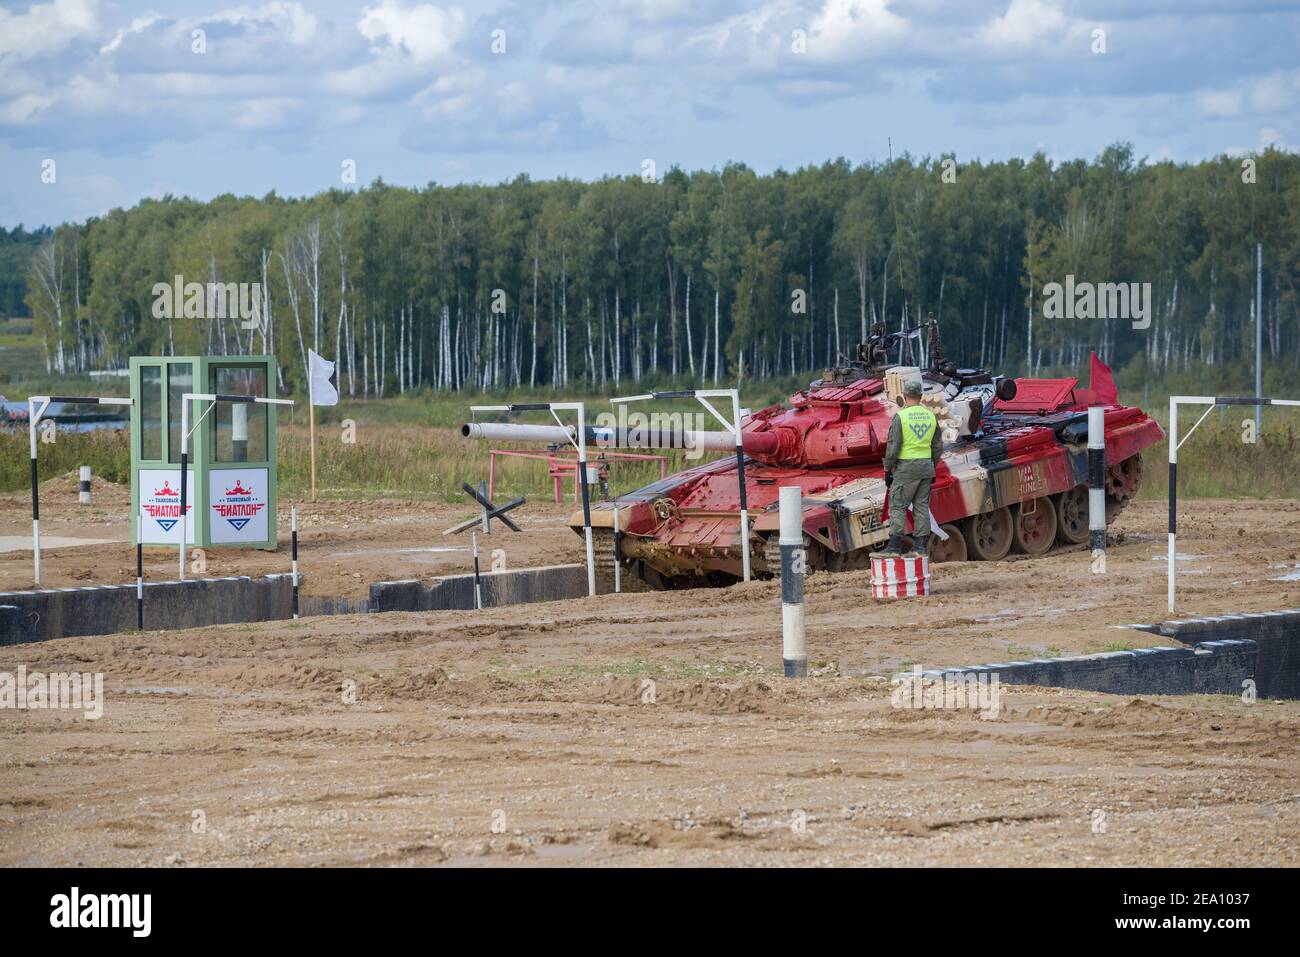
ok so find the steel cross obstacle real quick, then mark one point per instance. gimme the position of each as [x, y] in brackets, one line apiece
[186, 430]
[1175, 444]
[37, 406]
[489, 512]
[578, 439]
[703, 396]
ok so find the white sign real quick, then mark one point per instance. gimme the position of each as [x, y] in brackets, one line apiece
[237, 505]
[160, 506]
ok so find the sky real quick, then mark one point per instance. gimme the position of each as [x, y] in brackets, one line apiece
[103, 104]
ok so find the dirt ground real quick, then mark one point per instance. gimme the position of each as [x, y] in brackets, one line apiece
[342, 546]
[532, 735]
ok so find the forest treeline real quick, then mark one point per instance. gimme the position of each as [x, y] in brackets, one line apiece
[707, 276]
[17, 246]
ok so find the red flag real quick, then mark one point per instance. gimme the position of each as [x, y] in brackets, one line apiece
[1101, 383]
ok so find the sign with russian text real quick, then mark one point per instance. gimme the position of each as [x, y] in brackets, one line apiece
[160, 506]
[237, 504]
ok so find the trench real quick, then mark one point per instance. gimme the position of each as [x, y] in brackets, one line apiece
[1225, 654]
[43, 614]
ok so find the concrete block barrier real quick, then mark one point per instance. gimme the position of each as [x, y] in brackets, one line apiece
[1277, 633]
[1212, 667]
[108, 609]
[309, 605]
[515, 587]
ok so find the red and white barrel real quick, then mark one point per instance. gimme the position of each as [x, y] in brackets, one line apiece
[900, 577]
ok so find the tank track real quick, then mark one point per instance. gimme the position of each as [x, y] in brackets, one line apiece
[772, 554]
[602, 550]
[1123, 479]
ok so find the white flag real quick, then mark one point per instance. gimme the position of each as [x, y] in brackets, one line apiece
[322, 393]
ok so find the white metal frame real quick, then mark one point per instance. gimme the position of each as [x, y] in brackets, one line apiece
[579, 441]
[187, 429]
[703, 395]
[37, 406]
[1175, 444]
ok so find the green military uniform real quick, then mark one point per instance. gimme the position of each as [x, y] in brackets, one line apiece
[911, 452]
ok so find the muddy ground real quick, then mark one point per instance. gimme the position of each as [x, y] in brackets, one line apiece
[405, 739]
[343, 545]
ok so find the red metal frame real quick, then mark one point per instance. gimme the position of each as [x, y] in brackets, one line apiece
[561, 464]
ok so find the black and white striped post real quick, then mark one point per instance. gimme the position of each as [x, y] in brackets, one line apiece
[293, 548]
[37, 406]
[794, 655]
[1175, 443]
[83, 485]
[139, 576]
[1097, 481]
[478, 581]
[618, 555]
[578, 438]
[703, 396]
[212, 398]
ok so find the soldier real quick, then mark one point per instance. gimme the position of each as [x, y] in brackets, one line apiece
[911, 453]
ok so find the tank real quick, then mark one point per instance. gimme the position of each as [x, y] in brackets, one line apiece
[1013, 476]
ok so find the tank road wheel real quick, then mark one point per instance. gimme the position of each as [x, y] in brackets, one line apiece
[1034, 526]
[1122, 482]
[953, 550]
[661, 582]
[1124, 478]
[1072, 516]
[989, 535]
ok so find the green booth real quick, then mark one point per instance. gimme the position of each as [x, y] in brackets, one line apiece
[231, 477]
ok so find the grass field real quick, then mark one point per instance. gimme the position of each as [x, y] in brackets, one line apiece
[409, 448]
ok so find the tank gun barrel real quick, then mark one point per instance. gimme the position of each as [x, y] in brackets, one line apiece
[755, 443]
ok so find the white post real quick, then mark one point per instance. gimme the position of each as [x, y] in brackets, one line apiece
[1259, 333]
[740, 478]
[83, 494]
[618, 563]
[586, 496]
[1173, 499]
[794, 655]
[478, 588]
[1097, 480]
[185, 454]
[293, 538]
[239, 432]
[33, 418]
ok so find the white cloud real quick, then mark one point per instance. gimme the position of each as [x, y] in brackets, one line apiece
[1027, 23]
[845, 29]
[1276, 93]
[426, 32]
[23, 108]
[1219, 102]
[287, 19]
[47, 28]
[138, 25]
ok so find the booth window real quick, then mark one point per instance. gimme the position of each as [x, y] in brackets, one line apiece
[180, 379]
[239, 428]
[151, 413]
